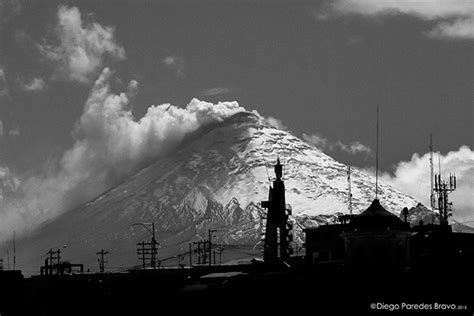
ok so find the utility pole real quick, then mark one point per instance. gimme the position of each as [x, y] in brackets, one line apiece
[204, 251]
[198, 243]
[153, 247]
[14, 250]
[101, 260]
[142, 252]
[53, 261]
[210, 231]
[148, 250]
[221, 250]
[190, 255]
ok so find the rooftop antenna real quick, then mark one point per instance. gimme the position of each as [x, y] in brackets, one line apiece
[377, 158]
[350, 192]
[432, 196]
[442, 189]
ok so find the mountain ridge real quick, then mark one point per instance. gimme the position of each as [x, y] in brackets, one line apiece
[215, 179]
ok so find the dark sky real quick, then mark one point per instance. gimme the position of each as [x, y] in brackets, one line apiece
[319, 71]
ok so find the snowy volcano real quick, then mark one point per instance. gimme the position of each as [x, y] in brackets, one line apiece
[214, 180]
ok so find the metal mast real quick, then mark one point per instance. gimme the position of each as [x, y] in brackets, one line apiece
[377, 159]
[432, 192]
[350, 191]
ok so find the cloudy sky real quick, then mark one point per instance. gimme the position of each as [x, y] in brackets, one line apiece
[319, 67]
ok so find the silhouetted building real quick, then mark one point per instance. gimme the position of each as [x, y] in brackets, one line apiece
[373, 239]
[325, 246]
[376, 239]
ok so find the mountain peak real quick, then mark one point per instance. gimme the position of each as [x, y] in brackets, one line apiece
[216, 179]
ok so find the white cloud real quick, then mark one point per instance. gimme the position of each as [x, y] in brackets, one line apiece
[3, 82]
[323, 144]
[80, 46]
[215, 91]
[176, 63]
[460, 28]
[316, 140]
[14, 131]
[9, 182]
[132, 88]
[453, 18]
[109, 145]
[354, 148]
[413, 178]
[276, 123]
[34, 85]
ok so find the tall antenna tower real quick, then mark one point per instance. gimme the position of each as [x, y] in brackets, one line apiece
[442, 188]
[432, 194]
[377, 158]
[350, 192]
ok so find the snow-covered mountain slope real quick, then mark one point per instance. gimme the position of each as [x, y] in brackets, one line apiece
[215, 179]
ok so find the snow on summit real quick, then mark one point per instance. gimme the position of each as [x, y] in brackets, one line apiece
[215, 178]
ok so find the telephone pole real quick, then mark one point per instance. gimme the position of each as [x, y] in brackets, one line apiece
[148, 250]
[101, 260]
[210, 246]
[14, 250]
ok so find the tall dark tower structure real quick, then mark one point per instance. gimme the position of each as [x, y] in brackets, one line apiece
[442, 188]
[278, 229]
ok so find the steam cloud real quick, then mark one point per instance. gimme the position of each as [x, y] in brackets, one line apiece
[109, 145]
[82, 46]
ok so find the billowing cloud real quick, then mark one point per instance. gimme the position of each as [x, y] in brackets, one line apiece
[14, 131]
[459, 28]
[176, 63]
[215, 91]
[79, 48]
[34, 85]
[323, 144]
[9, 182]
[452, 18]
[413, 177]
[3, 82]
[110, 144]
[276, 123]
[354, 148]
[316, 140]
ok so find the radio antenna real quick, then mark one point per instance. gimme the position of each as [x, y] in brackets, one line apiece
[350, 191]
[432, 196]
[377, 158]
